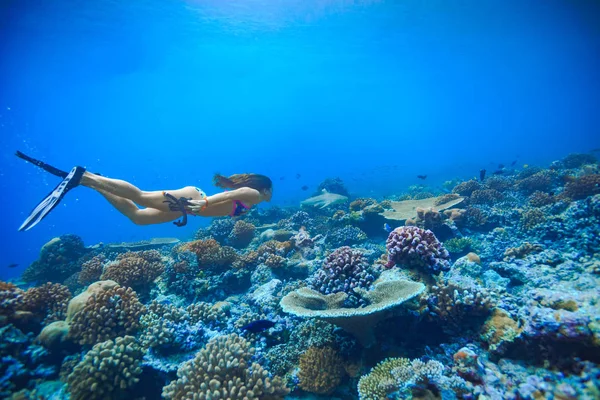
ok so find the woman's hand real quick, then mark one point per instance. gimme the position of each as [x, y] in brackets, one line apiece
[196, 206]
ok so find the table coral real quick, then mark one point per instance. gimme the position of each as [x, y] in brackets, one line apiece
[107, 370]
[415, 247]
[223, 370]
[321, 370]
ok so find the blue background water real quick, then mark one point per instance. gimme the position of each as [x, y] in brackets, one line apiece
[165, 93]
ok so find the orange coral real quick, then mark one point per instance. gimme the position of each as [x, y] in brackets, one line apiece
[321, 370]
[135, 269]
[360, 204]
[210, 253]
[91, 270]
[49, 301]
[107, 314]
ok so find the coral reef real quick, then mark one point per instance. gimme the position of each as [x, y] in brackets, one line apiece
[321, 370]
[49, 301]
[241, 234]
[582, 187]
[411, 246]
[344, 270]
[102, 314]
[58, 260]
[135, 269]
[223, 370]
[210, 254]
[107, 370]
[91, 270]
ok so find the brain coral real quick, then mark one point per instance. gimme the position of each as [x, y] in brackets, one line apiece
[416, 247]
[107, 370]
[343, 270]
[321, 370]
[108, 312]
[223, 370]
[135, 269]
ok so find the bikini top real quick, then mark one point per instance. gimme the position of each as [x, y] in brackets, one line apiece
[239, 208]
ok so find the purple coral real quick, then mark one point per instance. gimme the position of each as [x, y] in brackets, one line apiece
[344, 270]
[416, 247]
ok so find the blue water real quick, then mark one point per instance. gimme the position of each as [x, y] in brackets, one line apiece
[165, 93]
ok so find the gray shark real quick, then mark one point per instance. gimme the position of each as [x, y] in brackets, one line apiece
[324, 200]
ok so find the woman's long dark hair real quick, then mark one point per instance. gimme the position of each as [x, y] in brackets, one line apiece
[236, 181]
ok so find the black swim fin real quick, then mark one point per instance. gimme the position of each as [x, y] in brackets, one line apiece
[70, 181]
[43, 165]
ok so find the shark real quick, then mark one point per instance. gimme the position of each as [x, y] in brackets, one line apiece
[324, 200]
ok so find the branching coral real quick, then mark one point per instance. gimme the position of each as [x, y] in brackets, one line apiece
[209, 314]
[344, 270]
[11, 298]
[346, 235]
[540, 199]
[107, 313]
[210, 253]
[58, 260]
[415, 247]
[467, 188]
[410, 379]
[223, 370]
[135, 269]
[486, 196]
[361, 203]
[107, 370]
[452, 303]
[532, 218]
[321, 370]
[91, 270]
[242, 234]
[522, 251]
[475, 218]
[541, 181]
[580, 188]
[48, 301]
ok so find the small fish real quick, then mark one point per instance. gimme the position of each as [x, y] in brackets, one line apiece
[482, 174]
[305, 188]
[12, 265]
[258, 326]
[298, 176]
[387, 227]
[422, 177]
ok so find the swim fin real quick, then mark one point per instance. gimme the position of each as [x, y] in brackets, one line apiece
[43, 165]
[71, 180]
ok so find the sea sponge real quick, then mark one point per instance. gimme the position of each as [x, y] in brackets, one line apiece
[105, 315]
[49, 301]
[107, 370]
[321, 370]
[344, 270]
[223, 370]
[385, 296]
[135, 269]
[242, 234]
[91, 270]
[415, 247]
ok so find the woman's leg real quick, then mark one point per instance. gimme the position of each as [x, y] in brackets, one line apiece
[146, 216]
[126, 190]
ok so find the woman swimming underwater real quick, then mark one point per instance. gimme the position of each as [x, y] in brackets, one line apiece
[160, 206]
